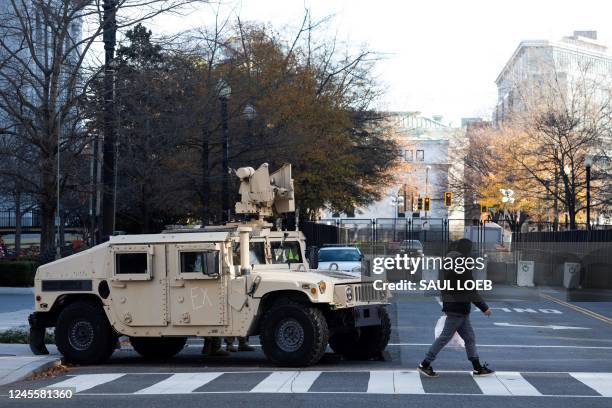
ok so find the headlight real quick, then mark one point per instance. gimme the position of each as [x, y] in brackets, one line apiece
[322, 287]
[349, 294]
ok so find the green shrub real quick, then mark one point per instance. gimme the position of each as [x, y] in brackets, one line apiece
[17, 273]
[21, 336]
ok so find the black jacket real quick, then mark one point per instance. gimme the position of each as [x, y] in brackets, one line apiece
[459, 301]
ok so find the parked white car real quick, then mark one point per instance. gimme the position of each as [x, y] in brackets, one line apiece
[340, 258]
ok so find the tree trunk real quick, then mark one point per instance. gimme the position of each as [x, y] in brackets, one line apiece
[17, 223]
[47, 236]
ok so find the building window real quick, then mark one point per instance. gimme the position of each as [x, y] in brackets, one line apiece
[408, 155]
[420, 155]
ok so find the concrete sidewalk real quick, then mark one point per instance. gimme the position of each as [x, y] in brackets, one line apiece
[17, 362]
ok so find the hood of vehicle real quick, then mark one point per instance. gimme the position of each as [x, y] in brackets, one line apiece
[311, 276]
[342, 266]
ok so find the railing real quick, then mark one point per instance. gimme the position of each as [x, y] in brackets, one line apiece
[30, 219]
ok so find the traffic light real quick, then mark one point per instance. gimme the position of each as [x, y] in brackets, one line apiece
[484, 209]
[426, 204]
[419, 204]
[448, 199]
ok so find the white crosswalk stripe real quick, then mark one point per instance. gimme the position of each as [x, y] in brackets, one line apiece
[503, 383]
[600, 382]
[516, 384]
[301, 383]
[381, 382]
[275, 381]
[181, 383]
[86, 381]
[491, 385]
[408, 382]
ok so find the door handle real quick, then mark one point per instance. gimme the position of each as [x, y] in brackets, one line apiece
[116, 284]
[178, 284]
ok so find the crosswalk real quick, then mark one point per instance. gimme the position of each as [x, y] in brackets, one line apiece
[504, 383]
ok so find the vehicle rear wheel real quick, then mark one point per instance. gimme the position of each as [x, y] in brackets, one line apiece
[83, 334]
[158, 347]
[370, 343]
[294, 334]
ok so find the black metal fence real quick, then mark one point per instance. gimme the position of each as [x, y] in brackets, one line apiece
[576, 236]
[8, 219]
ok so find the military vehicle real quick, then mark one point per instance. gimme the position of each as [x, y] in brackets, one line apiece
[239, 279]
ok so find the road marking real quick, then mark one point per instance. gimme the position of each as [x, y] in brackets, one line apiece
[301, 382]
[516, 384]
[86, 381]
[381, 382]
[527, 310]
[408, 382]
[515, 346]
[180, 383]
[582, 310]
[600, 382]
[491, 385]
[275, 381]
[548, 326]
[503, 383]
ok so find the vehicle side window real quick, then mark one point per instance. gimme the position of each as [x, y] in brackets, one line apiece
[206, 262]
[129, 262]
[256, 253]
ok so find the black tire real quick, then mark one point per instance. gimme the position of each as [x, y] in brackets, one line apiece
[294, 334]
[370, 343]
[83, 334]
[158, 347]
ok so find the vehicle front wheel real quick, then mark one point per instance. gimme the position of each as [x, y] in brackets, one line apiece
[83, 334]
[158, 347]
[294, 334]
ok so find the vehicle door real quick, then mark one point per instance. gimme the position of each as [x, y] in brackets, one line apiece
[138, 284]
[198, 276]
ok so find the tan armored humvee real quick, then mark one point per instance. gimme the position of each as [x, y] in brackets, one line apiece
[240, 279]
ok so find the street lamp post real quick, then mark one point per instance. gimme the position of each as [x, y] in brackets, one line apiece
[427, 185]
[588, 162]
[224, 94]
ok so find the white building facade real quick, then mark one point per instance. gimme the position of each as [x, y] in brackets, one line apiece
[536, 61]
[428, 148]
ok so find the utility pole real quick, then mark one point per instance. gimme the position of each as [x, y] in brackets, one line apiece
[224, 94]
[108, 146]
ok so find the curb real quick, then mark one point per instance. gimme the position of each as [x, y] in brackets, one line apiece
[16, 291]
[30, 369]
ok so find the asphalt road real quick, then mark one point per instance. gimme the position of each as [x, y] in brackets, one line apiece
[547, 353]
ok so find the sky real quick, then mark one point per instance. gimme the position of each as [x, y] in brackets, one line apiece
[441, 57]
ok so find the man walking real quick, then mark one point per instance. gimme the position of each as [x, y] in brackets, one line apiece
[456, 304]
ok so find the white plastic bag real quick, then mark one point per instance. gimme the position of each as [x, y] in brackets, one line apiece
[456, 341]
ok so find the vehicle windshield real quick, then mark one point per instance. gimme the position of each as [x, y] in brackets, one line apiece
[289, 252]
[412, 244]
[339, 255]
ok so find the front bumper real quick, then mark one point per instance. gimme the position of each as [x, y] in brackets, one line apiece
[39, 321]
[367, 315]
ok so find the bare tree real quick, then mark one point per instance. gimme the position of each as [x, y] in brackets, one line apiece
[45, 57]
